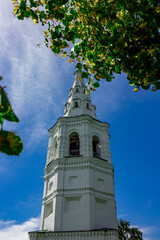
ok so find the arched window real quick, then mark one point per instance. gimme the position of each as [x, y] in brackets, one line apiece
[77, 90]
[87, 105]
[96, 147]
[74, 144]
[76, 104]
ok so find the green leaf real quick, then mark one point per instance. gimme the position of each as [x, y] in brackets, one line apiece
[84, 74]
[65, 22]
[85, 67]
[84, 11]
[77, 49]
[1, 119]
[46, 39]
[157, 85]
[60, 2]
[10, 116]
[20, 17]
[96, 84]
[10, 143]
[117, 69]
[73, 12]
[5, 104]
[6, 110]
[79, 66]
[89, 55]
[56, 50]
[55, 34]
[71, 35]
[49, 25]
[33, 3]
[70, 18]
[96, 76]
[109, 78]
[57, 28]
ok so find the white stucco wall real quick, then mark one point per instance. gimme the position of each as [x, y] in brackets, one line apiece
[84, 194]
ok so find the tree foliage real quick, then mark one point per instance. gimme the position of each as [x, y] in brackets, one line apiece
[128, 233]
[109, 36]
[10, 143]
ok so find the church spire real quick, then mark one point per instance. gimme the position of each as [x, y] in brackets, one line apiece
[79, 101]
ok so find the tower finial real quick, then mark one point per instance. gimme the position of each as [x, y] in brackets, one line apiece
[79, 103]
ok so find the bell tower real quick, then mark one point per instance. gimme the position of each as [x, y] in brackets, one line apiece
[78, 200]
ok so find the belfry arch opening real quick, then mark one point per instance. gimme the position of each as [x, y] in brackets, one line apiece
[96, 145]
[74, 144]
[76, 104]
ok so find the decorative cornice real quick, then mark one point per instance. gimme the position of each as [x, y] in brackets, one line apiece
[90, 167]
[81, 160]
[80, 191]
[76, 119]
[64, 168]
[109, 233]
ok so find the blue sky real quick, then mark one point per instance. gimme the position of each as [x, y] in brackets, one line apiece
[38, 84]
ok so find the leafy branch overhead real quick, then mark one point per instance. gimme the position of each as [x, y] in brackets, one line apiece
[10, 143]
[109, 36]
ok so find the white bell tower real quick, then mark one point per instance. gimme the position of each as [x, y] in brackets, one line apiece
[78, 200]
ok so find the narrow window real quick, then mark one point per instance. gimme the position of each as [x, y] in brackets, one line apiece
[96, 147]
[55, 147]
[87, 105]
[77, 90]
[74, 145]
[48, 209]
[76, 104]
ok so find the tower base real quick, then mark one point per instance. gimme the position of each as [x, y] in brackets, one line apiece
[102, 234]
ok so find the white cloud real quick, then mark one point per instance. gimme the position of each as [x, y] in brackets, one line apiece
[36, 133]
[11, 231]
[123, 216]
[33, 76]
[149, 232]
[4, 224]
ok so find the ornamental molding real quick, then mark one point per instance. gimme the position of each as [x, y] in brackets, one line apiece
[79, 191]
[78, 119]
[80, 160]
[78, 235]
[64, 168]
[89, 167]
